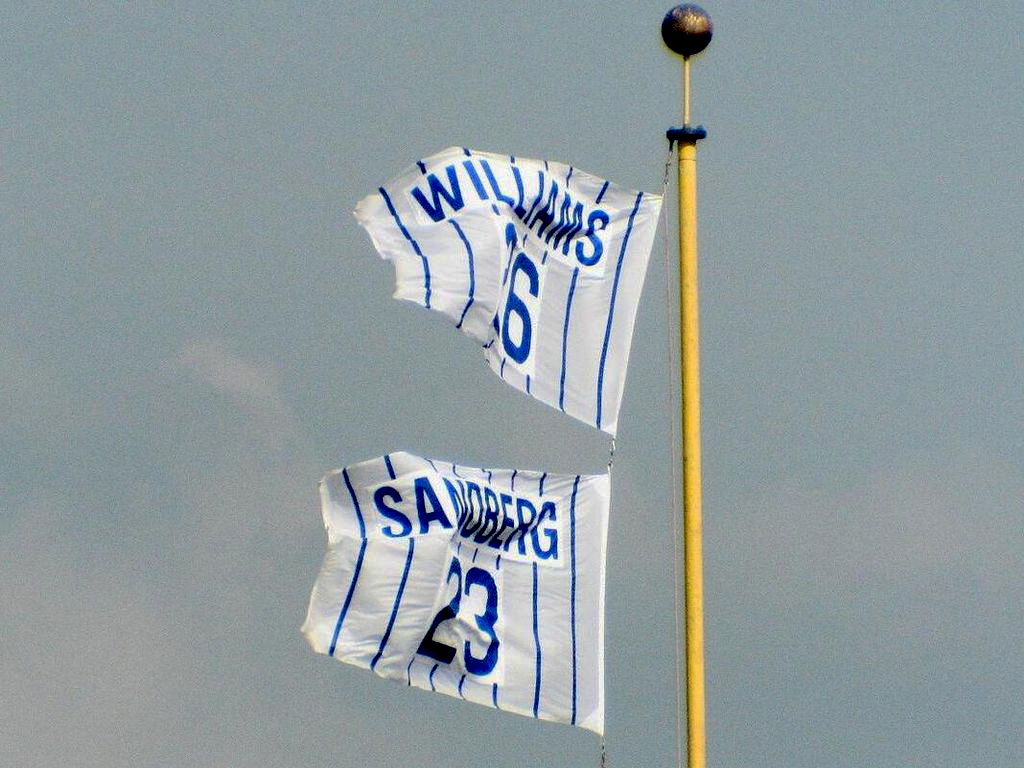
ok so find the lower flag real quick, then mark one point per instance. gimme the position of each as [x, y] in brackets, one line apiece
[486, 585]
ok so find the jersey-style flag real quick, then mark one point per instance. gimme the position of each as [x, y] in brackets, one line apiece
[539, 262]
[487, 585]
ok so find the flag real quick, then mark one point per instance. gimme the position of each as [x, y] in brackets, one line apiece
[486, 585]
[539, 262]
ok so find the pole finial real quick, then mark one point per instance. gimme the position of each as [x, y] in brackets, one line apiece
[687, 29]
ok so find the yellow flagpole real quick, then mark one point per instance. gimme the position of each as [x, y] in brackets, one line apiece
[692, 556]
[687, 30]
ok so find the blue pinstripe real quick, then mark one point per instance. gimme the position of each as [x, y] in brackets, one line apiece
[572, 593]
[355, 573]
[540, 194]
[414, 244]
[355, 503]
[611, 308]
[398, 601]
[472, 269]
[348, 598]
[536, 640]
[565, 336]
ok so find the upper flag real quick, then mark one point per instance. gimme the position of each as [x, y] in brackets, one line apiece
[541, 263]
[483, 584]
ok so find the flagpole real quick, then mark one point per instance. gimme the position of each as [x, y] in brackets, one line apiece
[687, 30]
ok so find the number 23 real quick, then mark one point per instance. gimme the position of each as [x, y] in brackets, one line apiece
[485, 622]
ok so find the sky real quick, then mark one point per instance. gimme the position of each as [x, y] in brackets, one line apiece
[193, 329]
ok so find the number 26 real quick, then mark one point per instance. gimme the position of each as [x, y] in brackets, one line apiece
[515, 305]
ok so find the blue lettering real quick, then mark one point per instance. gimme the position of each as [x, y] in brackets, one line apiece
[546, 511]
[470, 524]
[490, 517]
[424, 492]
[524, 524]
[546, 213]
[437, 190]
[506, 522]
[465, 502]
[591, 234]
[475, 178]
[473, 520]
[458, 503]
[513, 304]
[509, 201]
[519, 210]
[392, 495]
[484, 622]
[569, 225]
[540, 196]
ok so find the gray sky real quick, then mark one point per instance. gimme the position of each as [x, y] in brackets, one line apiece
[193, 329]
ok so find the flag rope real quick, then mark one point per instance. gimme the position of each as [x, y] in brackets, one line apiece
[676, 502]
[603, 761]
[674, 389]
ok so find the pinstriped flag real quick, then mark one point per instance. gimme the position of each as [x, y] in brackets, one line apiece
[486, 585]
[541, 263]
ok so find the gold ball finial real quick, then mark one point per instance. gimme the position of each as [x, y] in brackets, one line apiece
[687, 29]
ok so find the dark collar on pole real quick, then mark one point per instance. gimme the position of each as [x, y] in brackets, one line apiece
[688, 134]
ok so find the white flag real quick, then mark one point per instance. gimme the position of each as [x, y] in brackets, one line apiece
[541, 263]
[483, 584]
